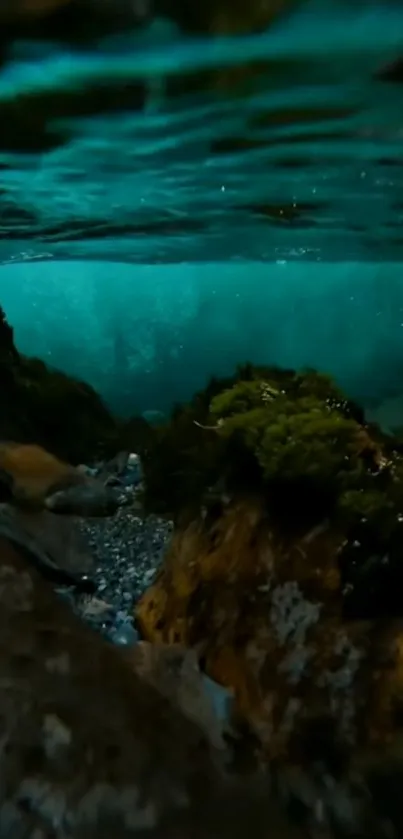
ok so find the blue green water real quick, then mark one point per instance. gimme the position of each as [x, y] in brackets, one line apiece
[148, 336]
[234, 198]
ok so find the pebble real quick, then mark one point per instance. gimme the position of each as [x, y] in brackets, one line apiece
[128, 551]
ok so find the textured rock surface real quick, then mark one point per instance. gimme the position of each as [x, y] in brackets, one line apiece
[35, 479]
[284, 575]
[175, 672]
[89, 749]
[53, 544]
[321, 694]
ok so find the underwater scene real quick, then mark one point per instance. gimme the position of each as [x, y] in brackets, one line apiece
[201, 419]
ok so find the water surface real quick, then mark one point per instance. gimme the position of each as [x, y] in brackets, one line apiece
[156, 147]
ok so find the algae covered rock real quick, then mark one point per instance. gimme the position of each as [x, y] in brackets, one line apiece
[285, 575]
[293, 437]
[319, 693]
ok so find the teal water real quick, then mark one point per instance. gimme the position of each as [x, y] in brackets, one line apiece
[173, 205]
[147, 336]
[148, 158]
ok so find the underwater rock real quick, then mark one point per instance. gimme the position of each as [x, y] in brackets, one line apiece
[87, 499]
[285, 576]
[52, 409]
[55, 541]
[32, 474]
[33, 478]
[123, 470]
[90, 749]
[175, 673]
[293, 436]
[320, 694]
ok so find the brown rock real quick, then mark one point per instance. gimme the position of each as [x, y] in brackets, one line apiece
[33, 473]
[266, 618]
[54, 543]
[91, 750]
[174, 671]
[36, 479]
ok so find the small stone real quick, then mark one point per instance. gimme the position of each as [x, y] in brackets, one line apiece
[96, 607]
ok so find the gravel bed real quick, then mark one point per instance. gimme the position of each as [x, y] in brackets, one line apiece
[128, 551]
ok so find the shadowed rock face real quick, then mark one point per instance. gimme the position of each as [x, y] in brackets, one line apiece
[90, 750]
[51, 543]
[87, 499]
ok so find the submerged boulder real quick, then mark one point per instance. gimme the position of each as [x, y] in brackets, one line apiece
[51, 543]
[285, 576]
[34, 479]
[92, 750]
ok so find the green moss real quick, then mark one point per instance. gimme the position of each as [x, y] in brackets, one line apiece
[242, 398]
[292, 433]
[297, 442]
[263, 430]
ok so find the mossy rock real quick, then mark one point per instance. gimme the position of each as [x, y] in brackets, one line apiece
[265, 430]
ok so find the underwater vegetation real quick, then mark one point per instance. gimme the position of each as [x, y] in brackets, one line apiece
[283, 434]
[296, 443]
[285, 570]
[282, 582]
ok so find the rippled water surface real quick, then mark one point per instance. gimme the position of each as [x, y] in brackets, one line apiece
[157, 148]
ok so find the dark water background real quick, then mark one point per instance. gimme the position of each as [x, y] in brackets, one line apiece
[172, 205]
